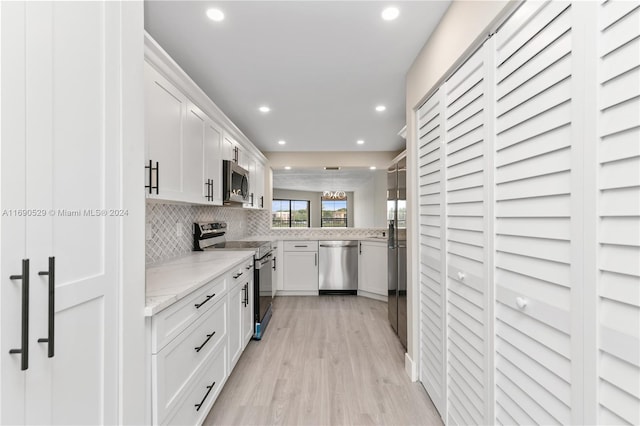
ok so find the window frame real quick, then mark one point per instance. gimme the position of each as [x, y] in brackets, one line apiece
[291, 212]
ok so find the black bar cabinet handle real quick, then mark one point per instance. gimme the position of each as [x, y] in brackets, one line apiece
[150, 167]
[197, 305]
[24, 350]
[274, 263]
[198, 406]
[209, 336]
[238, 275]
[157, 170]
[252, 199]
[360, 247]
[49, 340]
[261, 202]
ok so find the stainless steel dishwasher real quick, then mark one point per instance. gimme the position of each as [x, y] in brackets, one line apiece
[338, 267]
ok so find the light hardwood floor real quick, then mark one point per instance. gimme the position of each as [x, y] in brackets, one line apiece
[326, 360]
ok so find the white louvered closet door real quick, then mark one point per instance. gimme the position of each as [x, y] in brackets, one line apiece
[467, 331]
[618, 214]
[432, 252]
[535, 218]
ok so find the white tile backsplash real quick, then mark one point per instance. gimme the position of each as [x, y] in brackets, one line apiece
[164, 220]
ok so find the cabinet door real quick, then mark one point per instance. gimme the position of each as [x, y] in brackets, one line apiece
[373, 268]
[247, 314]
[301, 271]
[194, 186]
[235, 324]
[165, 112]
[258, 185]
[213, 159]
[228, 148]
[250, 165]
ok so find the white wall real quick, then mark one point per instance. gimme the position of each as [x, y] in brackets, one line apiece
[371, 202]
[464, 24]
[314, 197]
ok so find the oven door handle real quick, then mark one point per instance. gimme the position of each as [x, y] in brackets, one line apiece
[263, 261]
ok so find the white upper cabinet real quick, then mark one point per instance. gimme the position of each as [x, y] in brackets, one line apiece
[187, 137]
[165, 113]
[213, 161]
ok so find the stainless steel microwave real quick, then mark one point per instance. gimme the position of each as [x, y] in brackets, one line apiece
[235, 183]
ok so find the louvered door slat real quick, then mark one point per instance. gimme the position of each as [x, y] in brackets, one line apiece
[432, 306]
[618, 211]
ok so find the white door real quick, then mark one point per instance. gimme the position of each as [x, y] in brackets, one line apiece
[431, 175]
[537, 282]
[468, 295]
[372, 271]
[616, 218]
[72, 122]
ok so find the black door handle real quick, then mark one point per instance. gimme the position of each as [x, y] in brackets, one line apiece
[151, 170]
[24, 350]
[49, 340]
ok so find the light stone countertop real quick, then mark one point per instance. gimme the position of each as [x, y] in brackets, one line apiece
[274, 238]
[168, 282]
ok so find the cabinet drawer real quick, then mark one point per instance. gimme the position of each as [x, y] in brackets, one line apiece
[175, 365]
[241, 274]
[300, 246]
[203, 392]
[167, 324]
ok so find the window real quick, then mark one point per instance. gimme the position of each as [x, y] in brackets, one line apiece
[334, 213]
[290, 214]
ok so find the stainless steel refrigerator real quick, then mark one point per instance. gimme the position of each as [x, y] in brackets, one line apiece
[397, 247]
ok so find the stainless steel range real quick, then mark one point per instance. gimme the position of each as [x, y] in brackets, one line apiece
[211, 236]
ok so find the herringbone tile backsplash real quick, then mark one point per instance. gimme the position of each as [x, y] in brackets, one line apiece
[165, 219]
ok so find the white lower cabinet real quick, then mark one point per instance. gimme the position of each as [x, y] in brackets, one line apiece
[240, 312]
[372, 269]
[300, 268]
[202, 394]
[196, 342]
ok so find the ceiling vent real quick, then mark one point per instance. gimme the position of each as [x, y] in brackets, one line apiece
[332, 168]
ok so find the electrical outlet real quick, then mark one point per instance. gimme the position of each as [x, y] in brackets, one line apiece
[148, 231]
[179, 229]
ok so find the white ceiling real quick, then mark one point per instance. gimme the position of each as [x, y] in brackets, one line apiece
[318, 180]
[322, 66]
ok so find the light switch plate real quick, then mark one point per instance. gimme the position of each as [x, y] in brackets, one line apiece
[148, 231]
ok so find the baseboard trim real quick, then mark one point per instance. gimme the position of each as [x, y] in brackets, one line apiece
[410, 368]
[370, 295]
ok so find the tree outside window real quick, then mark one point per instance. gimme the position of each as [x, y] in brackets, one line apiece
[290, 214]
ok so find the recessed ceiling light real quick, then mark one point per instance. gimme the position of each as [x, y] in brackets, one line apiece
[264, 108]
[360, 142]
[282, 142]
[390, 13]
[287, 167]
[380, 108]
[215, 15]
[372, 168]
